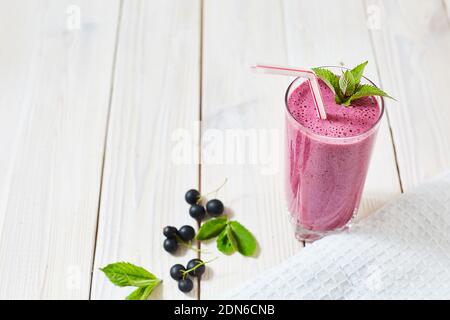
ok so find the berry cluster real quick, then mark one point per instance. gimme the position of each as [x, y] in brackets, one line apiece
[194, 268]
[184, 235]
[231, 237]
[214, 207]
[174, 236]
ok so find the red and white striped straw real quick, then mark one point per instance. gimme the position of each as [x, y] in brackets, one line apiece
[302, 73]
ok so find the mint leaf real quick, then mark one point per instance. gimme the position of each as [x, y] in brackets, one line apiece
[212, 228]
[235, 237]
[231, 237]
[330, 79]
[366, 90]
[226, 241]
[246, 242]
[358, 71]
[347, 87]
[136, 294]
[346, 103]
[142, 293]
[124, 274]
[347, 83]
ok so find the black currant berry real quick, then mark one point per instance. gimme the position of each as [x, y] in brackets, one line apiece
[199, 270]
[176, 272]
[170, 232]
[186, 233]
[197, 212]
[185, 285]
[214, 207]
[192, 196]
[170, 245]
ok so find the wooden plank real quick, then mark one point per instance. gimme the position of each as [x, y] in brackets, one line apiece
[317, 35]
[412, 46]
[156, 97]
[233, 98]
[243, 134]
[54, 93]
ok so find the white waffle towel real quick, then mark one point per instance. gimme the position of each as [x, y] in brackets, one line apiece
[400, 252]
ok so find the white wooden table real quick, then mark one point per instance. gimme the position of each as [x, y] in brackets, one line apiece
[91, 116]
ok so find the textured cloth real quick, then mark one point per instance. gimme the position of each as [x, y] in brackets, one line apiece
[400, 252]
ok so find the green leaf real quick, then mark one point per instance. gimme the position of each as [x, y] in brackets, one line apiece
[226, 243]
[347, 83]
[358, 71]
[347, 87]
[124, 274]
[231, 237]
[330, 79]
[142, 293]
[246, 242]
[368, 90]
[346, 103]
[212, 228]
[136, 294]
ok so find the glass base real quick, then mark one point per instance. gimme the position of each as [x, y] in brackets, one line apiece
[306, 235]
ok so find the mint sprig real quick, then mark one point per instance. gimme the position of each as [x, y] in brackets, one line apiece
[226, 242]
[212, 228]
[328, 77]
[347, 87]
[231, 236]
[245, 241]
[125, 274]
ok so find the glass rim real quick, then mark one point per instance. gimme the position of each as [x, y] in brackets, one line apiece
[324, 137]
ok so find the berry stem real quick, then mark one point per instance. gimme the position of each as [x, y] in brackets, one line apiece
[197, 266]
[190, 246]
[179, 240]
[214, 191]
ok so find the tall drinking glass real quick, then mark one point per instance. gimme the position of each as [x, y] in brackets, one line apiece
[326, 160]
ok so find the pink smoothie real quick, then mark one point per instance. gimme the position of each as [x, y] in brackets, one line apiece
[327, 160]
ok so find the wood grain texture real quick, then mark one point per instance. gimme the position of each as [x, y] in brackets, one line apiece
[412, 46]
[154, 111]
[54, 92]
[447, 8]
[55, 113]
[243, 134]
[310, 42]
